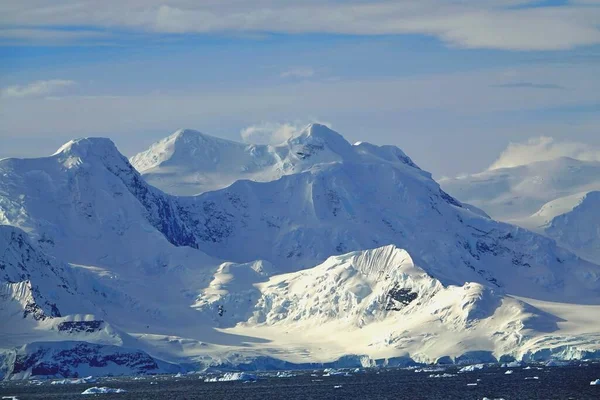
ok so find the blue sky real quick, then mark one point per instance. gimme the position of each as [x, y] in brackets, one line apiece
[450, 82]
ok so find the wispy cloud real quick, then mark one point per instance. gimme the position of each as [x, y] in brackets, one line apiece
[274, 132]
[528, 85]
[37, 88]
[544, 148]
[269, 132]
[499, 24]
[298, 72]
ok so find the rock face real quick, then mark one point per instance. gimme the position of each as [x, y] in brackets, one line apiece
[75, 359]
[32, 284]
[337, 235]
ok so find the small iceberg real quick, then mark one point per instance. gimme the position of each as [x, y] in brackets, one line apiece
[508, 372]
[471, 384]
[76, 381]
[102, 390]
[233, 376]
[595, 383]
[556, 363]
[512, 364]
[335, 372]
[435, 369]
[471, 368]
[444, 375]
[285, 374]
[532, 378]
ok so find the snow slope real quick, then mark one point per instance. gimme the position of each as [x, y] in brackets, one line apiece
[514, 193]
[199, 279]
[388, 307]
[573, 221]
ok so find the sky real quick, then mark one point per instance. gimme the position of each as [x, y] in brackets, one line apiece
[459, 85]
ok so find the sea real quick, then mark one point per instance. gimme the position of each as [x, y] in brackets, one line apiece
[489, 382]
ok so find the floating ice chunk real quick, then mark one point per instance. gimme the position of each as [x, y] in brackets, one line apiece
[436, 369]
[337, 387]
[285, 374]
[512, 364]
[555, 363]
[508, 372]
[442, 375]
[334, 372]
[471, 384]
[532, 378]
[102, 390]
[595, 383]
[471, 368]
[10, 398]
[233, 376]
[78, 381]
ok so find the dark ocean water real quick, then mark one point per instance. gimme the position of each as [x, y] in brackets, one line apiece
[572, 382]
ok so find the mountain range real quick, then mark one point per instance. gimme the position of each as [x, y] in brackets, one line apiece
[207, 253]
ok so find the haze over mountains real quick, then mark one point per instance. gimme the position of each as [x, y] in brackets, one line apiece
[279, 248]
[558, 198]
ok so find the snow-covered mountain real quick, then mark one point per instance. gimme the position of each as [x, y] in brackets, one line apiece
[573, 221]
[544, 196]
[198, 280]
[514, 193]
[387, 305]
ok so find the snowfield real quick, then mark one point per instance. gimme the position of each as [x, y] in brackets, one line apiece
[312, 253]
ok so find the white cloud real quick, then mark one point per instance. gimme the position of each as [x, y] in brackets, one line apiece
[544, 148]
[37, 88]
[270, 132]
[501, 24]
[299, 72]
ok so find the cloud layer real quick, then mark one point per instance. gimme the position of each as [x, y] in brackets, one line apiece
[544, 148]
[499, 24]
[37, 88]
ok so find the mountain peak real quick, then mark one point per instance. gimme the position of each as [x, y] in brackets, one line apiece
[85, 146]
[318, 135]
[319, 131]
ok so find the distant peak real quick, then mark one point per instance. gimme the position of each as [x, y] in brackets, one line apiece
[185, 132]
[319, 130]
[318, 134]
[191, 136]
